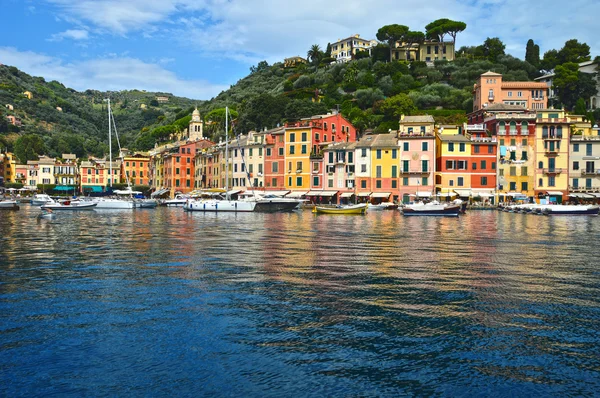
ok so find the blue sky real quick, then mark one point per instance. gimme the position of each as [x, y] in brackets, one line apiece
[197, 48]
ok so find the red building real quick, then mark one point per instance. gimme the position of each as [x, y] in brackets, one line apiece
[274, 159]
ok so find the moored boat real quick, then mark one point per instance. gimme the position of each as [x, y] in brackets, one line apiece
[384, 206]
[40, 199]
[177, 201]
[70, 205]
[451, 209]
[562, 210]
[268, 203]
[9, 205]
[360, 208]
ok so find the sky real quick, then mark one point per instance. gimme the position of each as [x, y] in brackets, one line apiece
[197, 48]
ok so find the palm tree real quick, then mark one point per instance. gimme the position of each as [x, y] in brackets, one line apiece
[314, 54]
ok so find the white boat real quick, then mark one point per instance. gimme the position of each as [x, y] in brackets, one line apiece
[270, 203]
[69, 205]
[146, 203]
[565, 210]
[177, 201]
[384, 206]
[40, 199]
[433, 209]
[224, 204]
[9, 205]
[110, 203]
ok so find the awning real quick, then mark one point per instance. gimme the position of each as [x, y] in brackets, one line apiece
[234, 191]
[423, 194]
[582, 195]
[93, 188]
[381, 194]
[482, 194]
[463, 192]
[364, 194]
[596, 195]
[295, 194]
[276, 193]
[445, 192]
[321, 193]
[63, 188]
[346, 195]
[159, 192]
[554, 193]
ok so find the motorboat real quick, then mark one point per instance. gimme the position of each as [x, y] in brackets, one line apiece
[9, 205]
[552, 210]
[270, 203]
[46, 213]
[360, 208]
[110, 203]
[177, 201]
[384, 206]
[70, 205]
[219, 205]
[40, 199]
[146, 203]
[451, 209]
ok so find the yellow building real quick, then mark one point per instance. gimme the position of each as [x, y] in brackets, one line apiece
[428, 51]
[454, 168]
[293, 61]
[552, 155]
[8, 167]
[385, 167]
[344, 50]
[297, 157]
[28, 94]
[255, 159]
[584, 159]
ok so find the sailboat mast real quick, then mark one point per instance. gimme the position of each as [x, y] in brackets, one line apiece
[109, 146]
[226, 153]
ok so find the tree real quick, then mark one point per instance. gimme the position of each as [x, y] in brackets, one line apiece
[260, 67]
[573, 51]
[532, 53]
[570, 84]
[436, 30]
[493, 47]
[413, 37]
[314, 54]
[550, 60]
[580, 108]
[328, 50]
[453, 28]
[29, 147]
[397, 105]
[391, 34]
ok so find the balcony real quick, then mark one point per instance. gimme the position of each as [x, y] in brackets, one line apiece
[340, 161]
[551, 137]
[590, 172]
[316, 155]
[552, 171]
[551, 151]
[552, 120]
[491, 97]
[414, 171]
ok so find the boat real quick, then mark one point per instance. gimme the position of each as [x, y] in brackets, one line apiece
[40, 199]
[146, 203]
[434, 208]
[111, 203]
[69, 205]
[270, 203]
[384, 206]
[360, 208]
[9, 205]
[219, 203]
[177, 201]
[553, 210]
[46, 213]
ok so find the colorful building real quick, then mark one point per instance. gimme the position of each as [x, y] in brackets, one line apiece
[483, 163]
[344, 50]
[416, 141]
[453, 169]
[336, 172]
[274, 159]
[135, 168]
[96, 177]
[584, 159]
[552, 139]
[7, 168]
[490, 89]
[428, 51]
[66, 173]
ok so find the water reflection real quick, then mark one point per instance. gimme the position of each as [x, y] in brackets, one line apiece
[296, 304]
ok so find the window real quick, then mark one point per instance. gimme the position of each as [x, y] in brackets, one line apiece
[275, 167]
[378, 172]
[523, 171]
[451, 183]
[513, 171]
[292, 137]
[405, 165]
[250, 152]
[483, 164]
[425, 146]
[394, 153]
[280, 151]
[424, 181]
[425, 166]
[394, 184]
[268, 152]
[304, 136]
[405, 146]
[377, 183]
[513, 186]
[541, 182]
[250, 168]
[363, 152]
[476, 149]
[460, 181]
[363, 184]
[330, 183]
[575, 165]
[588, 149]
[575, 147]
[330, 157]
[379, 154]
[298, 166]
[259, 151]
[450, 165]
[523, 155]
[405, 181]
[575, 183]
[292, 149]
[274, 182]
[303, 149]
[298, 181]
[451, 147]
[315, 181]
[510, 93]
[363, 168]
[177, 170]
[474, 166]
[551, 181]
[461, 147]
[290, 181]
[394, 171]
[493, 165]
[501, 141]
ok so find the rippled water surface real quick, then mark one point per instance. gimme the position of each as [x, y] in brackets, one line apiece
[163, 302]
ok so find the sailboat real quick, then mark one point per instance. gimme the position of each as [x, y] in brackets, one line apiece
[109, 203]
[220, 203]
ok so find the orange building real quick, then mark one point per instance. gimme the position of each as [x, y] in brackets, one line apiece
[490, 90]
[135, 169]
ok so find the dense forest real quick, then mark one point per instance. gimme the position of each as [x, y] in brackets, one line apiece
[370, 91]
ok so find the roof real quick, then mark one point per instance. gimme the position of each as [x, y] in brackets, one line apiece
[340, 145]
[385, 140]
[490, 73]
[505, 107]
[454, 138]
[524, 85]
[418, 119]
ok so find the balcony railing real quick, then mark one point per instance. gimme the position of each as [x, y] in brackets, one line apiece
[552, 137]
[590, 172]
[552, 171]
[316, 155]
[414, 171]
[553, 120]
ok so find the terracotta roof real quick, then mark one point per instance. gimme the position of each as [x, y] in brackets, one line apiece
[504, 107]
[490, 73]
[418, 119]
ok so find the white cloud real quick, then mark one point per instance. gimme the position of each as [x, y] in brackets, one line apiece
[74, 34]
[250, 30]
[115, 73]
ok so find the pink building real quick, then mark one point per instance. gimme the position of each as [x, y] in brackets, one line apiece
[339, 170]
[490, 90]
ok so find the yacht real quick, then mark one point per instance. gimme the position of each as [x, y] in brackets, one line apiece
[40, 199]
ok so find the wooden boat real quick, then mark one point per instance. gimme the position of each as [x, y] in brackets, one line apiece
[9, 205]
[360, 208]
[433, 209]
[70, 205]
